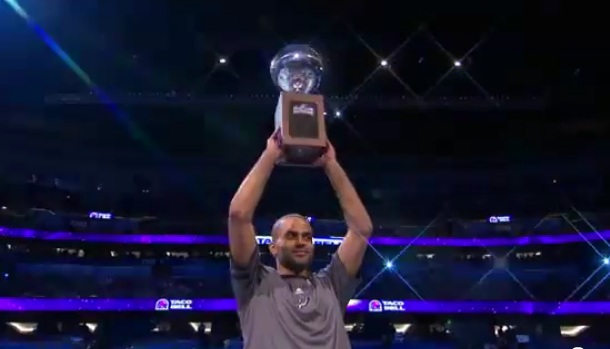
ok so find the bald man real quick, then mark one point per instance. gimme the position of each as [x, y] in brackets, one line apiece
[290, 306]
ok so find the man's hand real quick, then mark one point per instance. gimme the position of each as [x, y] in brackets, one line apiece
[329, 156]
[274, 145]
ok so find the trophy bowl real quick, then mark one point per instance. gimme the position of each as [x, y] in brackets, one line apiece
[297, 68]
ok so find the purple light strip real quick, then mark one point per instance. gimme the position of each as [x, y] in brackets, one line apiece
[355, 305]
[183, 239]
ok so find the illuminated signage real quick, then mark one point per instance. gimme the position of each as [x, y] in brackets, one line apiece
[378, 306]
[164, 304]
[266, 240]
[100, 215]
[499, 219]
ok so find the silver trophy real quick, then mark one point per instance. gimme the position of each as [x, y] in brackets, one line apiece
[297, 71]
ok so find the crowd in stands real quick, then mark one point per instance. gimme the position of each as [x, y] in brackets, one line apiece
[40, 270]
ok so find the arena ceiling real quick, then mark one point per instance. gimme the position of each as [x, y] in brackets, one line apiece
[461, 79]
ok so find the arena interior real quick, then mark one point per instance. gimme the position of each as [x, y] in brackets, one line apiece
[471, 131]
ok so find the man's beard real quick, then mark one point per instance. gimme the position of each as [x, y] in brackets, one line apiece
[288, 262]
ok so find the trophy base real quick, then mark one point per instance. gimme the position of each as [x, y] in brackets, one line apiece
[301, 155]
[300, 119]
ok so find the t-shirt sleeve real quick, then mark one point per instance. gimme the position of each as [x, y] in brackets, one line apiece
[244, 280]
[341, 281]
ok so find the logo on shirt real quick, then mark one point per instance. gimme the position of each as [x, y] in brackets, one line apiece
[302, 298]
[375, 306]
[302, 302]
[162, 304]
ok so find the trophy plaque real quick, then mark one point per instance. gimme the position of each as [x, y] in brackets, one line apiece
[297, 70]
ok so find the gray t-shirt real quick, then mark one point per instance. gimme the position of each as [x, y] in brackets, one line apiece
[278, 312]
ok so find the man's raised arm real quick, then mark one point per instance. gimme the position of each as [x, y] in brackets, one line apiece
[242, 238]
[352, 249]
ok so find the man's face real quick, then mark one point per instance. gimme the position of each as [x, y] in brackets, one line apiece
[293, 247]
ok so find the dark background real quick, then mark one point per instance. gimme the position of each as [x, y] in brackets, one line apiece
[123, 107]
[133, 96]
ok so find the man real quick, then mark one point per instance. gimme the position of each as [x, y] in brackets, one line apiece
[290, 307]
